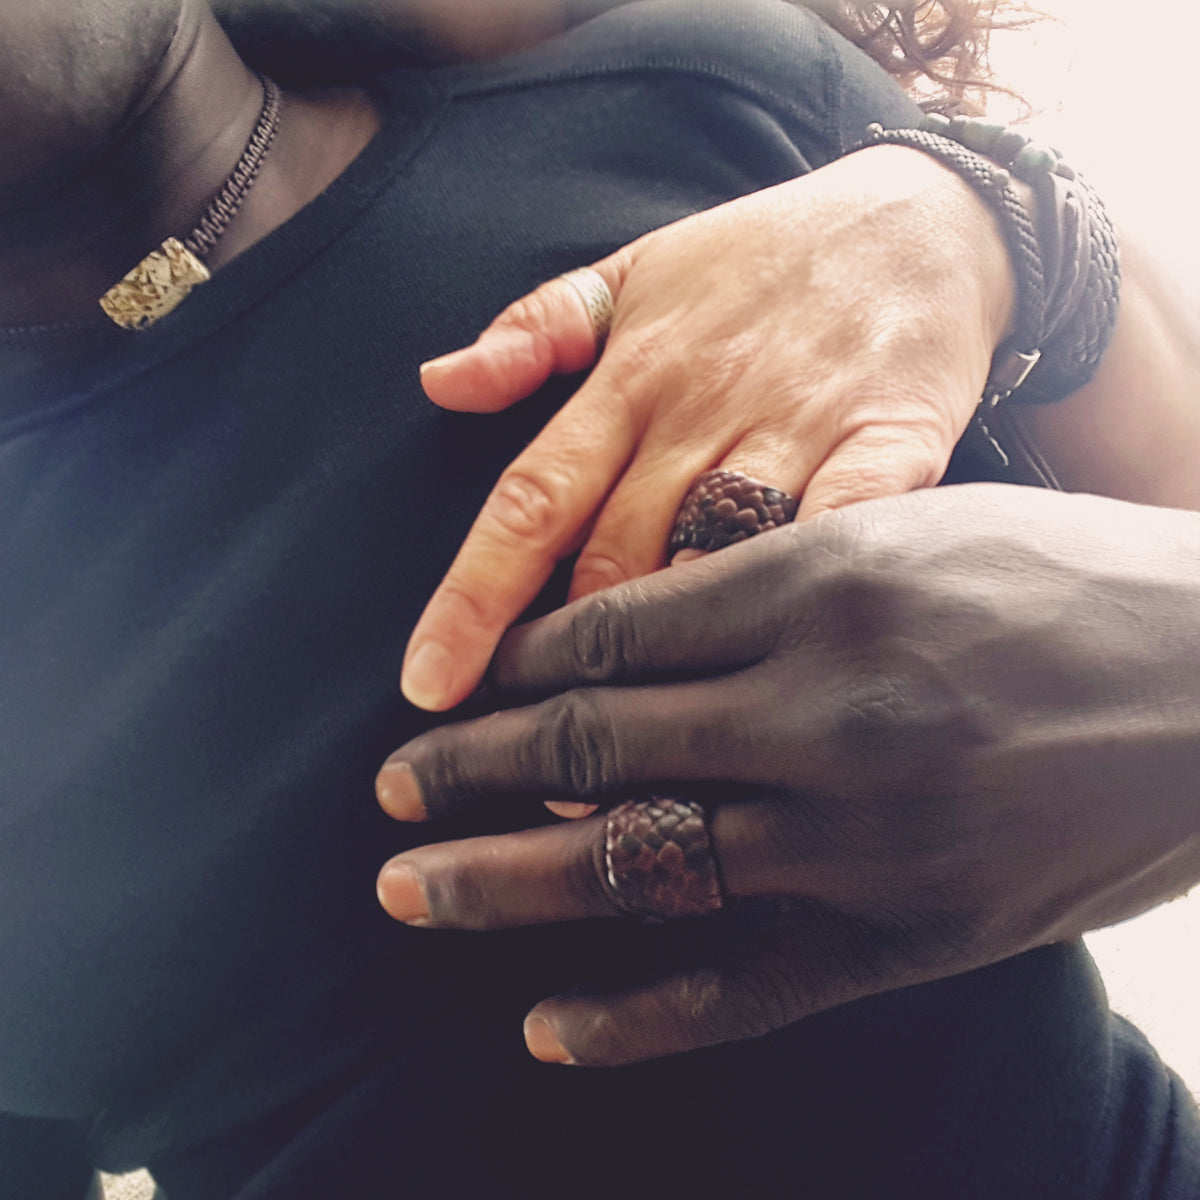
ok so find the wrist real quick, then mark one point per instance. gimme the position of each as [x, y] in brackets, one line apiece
[1063, 247]
[955, 226]
[994, 261]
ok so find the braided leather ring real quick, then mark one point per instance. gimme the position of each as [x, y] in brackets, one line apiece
[658, 856]
[724, 507]
[659, 860]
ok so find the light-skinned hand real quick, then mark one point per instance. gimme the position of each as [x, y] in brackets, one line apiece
[830, 336]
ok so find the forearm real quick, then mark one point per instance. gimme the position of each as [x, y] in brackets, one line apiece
[1134, 431]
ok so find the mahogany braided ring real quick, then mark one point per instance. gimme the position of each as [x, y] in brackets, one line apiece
[724, 507]
[658, 856]
[659, 860]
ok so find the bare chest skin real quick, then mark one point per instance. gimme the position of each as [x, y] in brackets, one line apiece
[110, 203]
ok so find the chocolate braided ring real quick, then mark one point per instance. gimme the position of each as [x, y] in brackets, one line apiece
[658, 856]
[724, 507]
[659, 860]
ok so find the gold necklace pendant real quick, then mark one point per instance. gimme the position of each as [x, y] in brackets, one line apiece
[158, 285]
[164, 279]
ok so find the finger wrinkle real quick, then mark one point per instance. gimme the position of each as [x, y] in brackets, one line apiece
[603, 635]
[595, 571]
[528, 506]
[577, 740]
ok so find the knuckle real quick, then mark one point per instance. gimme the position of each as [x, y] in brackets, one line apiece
[533, 310]
[473, 606]
[885, 435]
[924, 450]
[527, 506]
[766, 999]
[874, 471]
[601, 1036]
[922, 932]
[574, 745]
[595, 571]
[604, 639]
[733, 1004]
[704, 1003]
[774, 560]
[904, 712]
[952, 930]
[878, 721]
[908, 722]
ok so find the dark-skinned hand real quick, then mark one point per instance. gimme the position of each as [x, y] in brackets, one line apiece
[947, 727]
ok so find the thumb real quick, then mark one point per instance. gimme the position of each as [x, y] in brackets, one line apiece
[550, 331]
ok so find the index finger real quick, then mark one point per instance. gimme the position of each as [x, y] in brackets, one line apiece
[716, 613]
[535, 515]
[587, 744]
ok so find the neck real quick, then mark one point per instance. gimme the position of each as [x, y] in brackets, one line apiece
[185, 133]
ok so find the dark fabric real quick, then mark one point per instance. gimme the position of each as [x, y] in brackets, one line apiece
[43, 1160]
[216, 537]
[992, 1084]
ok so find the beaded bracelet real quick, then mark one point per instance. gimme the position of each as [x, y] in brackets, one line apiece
[1067, 265]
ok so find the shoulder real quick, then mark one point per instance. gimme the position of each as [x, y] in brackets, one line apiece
[780, 56]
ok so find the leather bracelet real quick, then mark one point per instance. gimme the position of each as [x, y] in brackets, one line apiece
[1079, 248]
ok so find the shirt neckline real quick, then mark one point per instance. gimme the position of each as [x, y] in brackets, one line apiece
[410, 103]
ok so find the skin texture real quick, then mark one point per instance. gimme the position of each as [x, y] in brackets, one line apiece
[1134, 431]
[988, 851]
[934, 731]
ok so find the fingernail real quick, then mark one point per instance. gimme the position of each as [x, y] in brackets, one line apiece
[400, 892]
[542, 1042]
[571, 809]
[493, 341]
[447, 362]
[428, 675]
[399, 793]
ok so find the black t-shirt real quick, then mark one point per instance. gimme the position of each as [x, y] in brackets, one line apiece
[216, 537]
